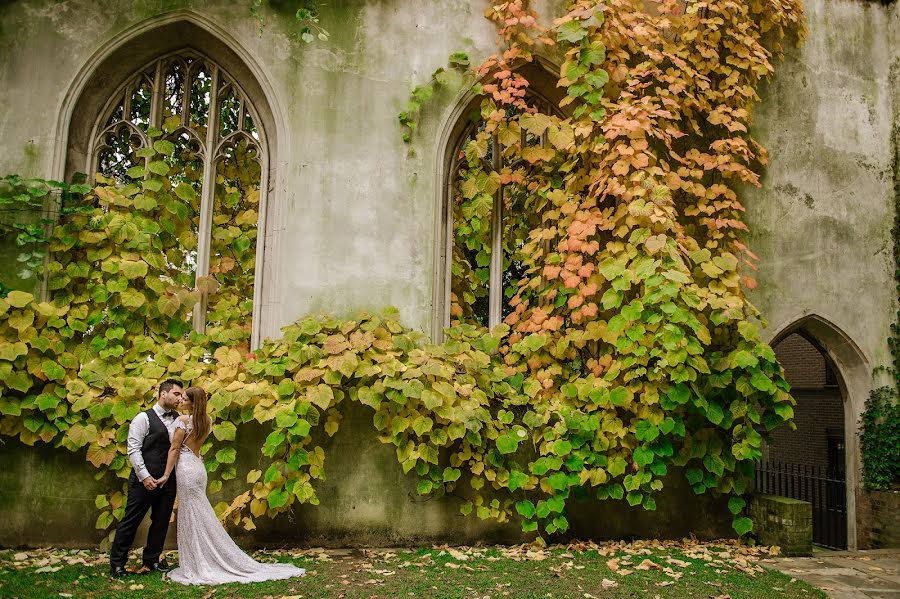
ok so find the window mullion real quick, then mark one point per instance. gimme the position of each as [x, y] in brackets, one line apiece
[157, 95]
[449, 237]
[495, 284]
[204, 234]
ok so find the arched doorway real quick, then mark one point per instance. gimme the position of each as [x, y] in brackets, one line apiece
[819, 461]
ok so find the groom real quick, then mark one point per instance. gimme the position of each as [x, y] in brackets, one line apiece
[149, 437]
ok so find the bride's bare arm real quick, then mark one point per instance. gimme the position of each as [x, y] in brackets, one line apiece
[174, 451]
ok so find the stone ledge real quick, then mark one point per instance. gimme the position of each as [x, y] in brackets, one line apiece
[784, 522]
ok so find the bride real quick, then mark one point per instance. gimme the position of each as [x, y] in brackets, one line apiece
[206, 554]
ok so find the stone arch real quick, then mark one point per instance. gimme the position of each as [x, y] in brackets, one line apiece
[853, 372]
[542, 74]
[116, 60]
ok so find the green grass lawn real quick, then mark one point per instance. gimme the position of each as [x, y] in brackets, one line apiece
[650, 570]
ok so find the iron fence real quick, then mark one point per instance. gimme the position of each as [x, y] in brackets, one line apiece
[825, 489]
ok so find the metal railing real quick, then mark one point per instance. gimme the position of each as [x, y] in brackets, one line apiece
[824, 488]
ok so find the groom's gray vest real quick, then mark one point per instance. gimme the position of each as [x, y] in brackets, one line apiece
[155, 448]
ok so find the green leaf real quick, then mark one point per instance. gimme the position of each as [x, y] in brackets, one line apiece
[559, 481]
[714, 464]
[47, 401]
[286, 389]
[571, 31]
[508, 443]
[761, 381]
[273, 443]
[278, 498]
[301, 429]
[694, 475]
[135, 172]
[646, 431]
[164, 147]
[714, 412]
[784, 410]
[632, 311]
[185, 192]
[159, 167]
[643, 456]
[224, 431]
[562, 447]
[525, 509]
[226, 455]
[736, 504]
[451, 474]
[18, 299]
[535, 341]
[517, 480]
[424, 487]
[422, 425]
[742, 525]
[618, 396]
[54, 371]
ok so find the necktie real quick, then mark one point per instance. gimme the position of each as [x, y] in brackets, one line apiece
[170, 414]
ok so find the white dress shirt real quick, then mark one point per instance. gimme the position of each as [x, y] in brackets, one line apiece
[138, 430]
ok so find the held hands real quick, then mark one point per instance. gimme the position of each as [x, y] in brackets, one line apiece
[152, 484]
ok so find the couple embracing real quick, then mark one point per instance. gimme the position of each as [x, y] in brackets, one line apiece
[164, 450]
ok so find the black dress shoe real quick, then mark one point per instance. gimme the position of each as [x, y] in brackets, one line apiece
[159, 567]
[117, 571]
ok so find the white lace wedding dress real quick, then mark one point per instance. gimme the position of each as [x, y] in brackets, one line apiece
[206, 554]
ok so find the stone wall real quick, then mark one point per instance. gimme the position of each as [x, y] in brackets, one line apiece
[47, 498]
[784, 522]
[879, 519]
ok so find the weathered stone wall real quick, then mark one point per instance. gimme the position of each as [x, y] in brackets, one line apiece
[353, 217]
[784, 522]
[821, 221]
[47, 498]
[879, 519]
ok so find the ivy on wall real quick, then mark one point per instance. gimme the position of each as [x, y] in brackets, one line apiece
[629, 348]
[880, 439]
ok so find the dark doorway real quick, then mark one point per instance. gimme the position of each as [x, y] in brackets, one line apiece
[808, 463]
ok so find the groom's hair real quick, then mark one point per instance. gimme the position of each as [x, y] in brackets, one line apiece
[167, 384]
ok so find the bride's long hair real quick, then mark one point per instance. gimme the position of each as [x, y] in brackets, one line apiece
[198, 413]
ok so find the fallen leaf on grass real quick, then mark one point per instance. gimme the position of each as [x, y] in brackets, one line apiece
[608, 584]
[648, 565]
[458, 555]
[135, 587]
[678, 562]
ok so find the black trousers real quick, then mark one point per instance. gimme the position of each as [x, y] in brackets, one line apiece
[160, 503]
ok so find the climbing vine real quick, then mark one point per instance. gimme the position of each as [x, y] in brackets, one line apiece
[458, 61]
[880, 439]
[627, 347]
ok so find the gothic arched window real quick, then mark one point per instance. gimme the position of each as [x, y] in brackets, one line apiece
[481, 239]
[219, 162]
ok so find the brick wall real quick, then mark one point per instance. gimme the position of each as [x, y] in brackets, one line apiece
[804, 366]
[878, 519]
[784, 522]
[819, 413]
